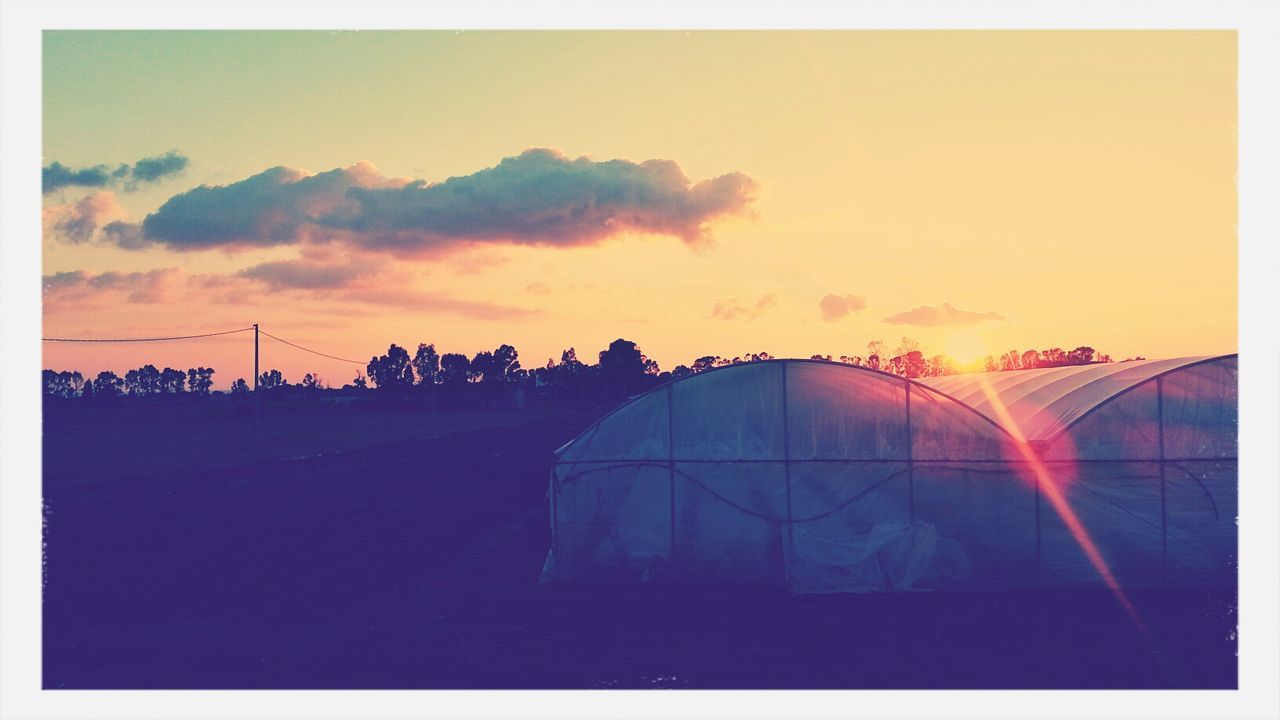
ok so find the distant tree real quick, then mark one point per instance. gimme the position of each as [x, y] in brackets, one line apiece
[913, 364]
[1082, 355]
[1053, 357]
[311, 382]
[1029, 359]
[172, 381]
[426, 364]
[506, 363]
[359, 382]
[200, 380]
[681, 371]
[392, 372]
[86, 392]
[272, 380]
[990, 364]
[454, 368]
[107, 384]
[64, 384]
[623, 367]
[705, 363]
[143, 381]
[239, 387]
[481, 368]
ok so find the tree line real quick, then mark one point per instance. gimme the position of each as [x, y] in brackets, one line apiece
[619, 371]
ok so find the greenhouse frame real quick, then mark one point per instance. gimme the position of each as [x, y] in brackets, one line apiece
[825, 477]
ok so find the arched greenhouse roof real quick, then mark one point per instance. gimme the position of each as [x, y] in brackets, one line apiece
[778, 410]
[1043, 403]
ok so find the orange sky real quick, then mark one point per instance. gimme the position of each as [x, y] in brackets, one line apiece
[815, 191]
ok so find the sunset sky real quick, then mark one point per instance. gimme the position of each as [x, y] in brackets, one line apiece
[698, 193]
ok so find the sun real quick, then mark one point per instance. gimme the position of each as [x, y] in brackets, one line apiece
[965, 347]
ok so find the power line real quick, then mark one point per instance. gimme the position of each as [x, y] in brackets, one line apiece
[313, 352]
[152, 339]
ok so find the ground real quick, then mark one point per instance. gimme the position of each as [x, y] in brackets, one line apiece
[400, 549]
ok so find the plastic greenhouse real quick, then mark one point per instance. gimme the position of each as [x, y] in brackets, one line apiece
[833, 478]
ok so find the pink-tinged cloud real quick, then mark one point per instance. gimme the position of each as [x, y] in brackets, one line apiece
[312, 274]
[834, 307]
[79, 288]
[540, 197]
[299, 280]
[731, 309]
[942, 315]
[78, 222]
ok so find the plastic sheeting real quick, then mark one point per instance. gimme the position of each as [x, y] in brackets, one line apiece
[829, 478]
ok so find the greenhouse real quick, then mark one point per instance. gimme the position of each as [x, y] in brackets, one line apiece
[824, 477]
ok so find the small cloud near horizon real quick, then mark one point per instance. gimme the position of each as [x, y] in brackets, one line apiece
[731, 309]
[835, 307]
[942, 315]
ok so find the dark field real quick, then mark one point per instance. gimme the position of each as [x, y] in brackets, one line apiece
[402, 550]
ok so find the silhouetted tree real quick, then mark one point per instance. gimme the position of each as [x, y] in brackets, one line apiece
[454, 368]
[107, 384]
[623, 367]
[200, 380]
[311, 382]
[239, 387]
[64, 383]
[506, 363]
[272, 380]
[143, 381]
[172, 381]
[1082, 355]
[481, 367]
[392, 372]
[426, 364]
[705, 363]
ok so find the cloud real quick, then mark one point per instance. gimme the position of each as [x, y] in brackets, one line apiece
[126, 235]
[77, 222]
[279, 206]
[56, 176]
[940, 315]
[537, 288]
[835, 307]
[153, 169]
[343, 283]
[540, 197]
[309, 274]
[79, 287]
[731, 309]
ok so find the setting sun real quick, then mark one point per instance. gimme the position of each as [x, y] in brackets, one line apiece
[966, 347]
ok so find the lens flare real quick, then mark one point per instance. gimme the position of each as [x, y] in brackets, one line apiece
[1049, 490]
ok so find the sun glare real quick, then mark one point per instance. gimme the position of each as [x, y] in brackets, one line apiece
[966, 347]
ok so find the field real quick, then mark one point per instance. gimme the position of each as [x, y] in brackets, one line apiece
[401, 549]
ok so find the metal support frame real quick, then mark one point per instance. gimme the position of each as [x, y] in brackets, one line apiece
[786, 470]
[911, 465]
[671, 473]
[1164, 520]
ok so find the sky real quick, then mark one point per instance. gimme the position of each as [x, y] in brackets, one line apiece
[699, 193]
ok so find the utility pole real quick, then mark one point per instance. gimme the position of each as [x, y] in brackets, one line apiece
[257, 396]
